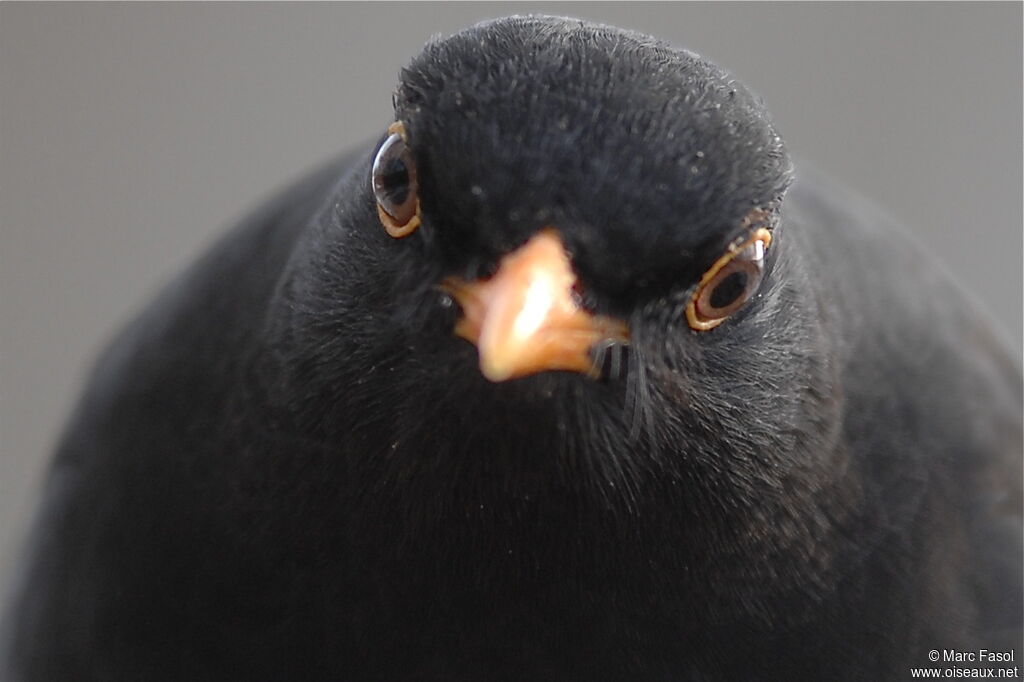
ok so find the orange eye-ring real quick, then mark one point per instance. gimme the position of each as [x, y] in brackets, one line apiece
[729, 283]
[395, 184]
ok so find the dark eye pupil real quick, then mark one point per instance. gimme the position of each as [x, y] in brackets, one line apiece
[729, 289]
[393, 180]
[731, 281]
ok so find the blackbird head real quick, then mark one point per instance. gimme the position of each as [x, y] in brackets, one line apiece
[563, 260]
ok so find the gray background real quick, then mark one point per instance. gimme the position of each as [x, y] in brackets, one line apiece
[131, 135]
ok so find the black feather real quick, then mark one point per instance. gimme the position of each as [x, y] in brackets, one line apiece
[289, 467]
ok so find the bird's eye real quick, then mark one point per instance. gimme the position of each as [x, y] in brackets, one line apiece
[395, 185]
[729, 283]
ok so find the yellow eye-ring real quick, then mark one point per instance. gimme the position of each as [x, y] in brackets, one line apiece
[729, 283]
[395, 184]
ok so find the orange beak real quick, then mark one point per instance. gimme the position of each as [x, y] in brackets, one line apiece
[525, 319]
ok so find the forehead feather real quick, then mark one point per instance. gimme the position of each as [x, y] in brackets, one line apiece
[592, 123]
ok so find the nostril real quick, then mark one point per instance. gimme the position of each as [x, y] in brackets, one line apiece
[578, 294]
[584, 298]
[480, 269]
[486, 269]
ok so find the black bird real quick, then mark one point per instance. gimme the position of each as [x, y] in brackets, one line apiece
[559, 380]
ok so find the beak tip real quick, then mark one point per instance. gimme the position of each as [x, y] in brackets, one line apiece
[525, 319]
[495, 371]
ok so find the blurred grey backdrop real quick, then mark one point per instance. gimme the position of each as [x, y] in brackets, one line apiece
[132, 134]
